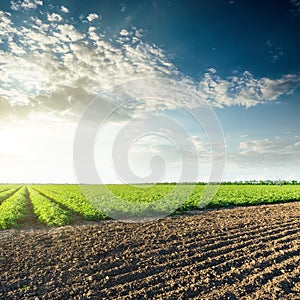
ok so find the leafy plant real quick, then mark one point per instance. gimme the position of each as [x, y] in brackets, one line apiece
[47, 211]
[13, 209]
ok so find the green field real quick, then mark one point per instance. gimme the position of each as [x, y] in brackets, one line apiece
[58, 205]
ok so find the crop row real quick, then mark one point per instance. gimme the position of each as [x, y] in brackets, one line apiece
[96, 202]
[143, 200]
[245, 195]
[71, 199]
[13, 209]
[57, 205]
[47, 211]
[6, 193]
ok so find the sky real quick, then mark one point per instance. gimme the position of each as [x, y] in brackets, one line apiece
[149, 91]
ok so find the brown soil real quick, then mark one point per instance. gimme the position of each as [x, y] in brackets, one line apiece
[238, 253]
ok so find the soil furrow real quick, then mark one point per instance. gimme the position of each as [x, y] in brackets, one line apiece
[211, 240]
[202, 262]
[187, 250]
[192, 283]
[239, 253]
[271, 269]
[285, 286]
[31, 220]
[217, 249]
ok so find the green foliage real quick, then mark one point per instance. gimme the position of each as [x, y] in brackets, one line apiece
[13, 209]
[123, 201]
[71, 197]
[47, 211]
[254, 194]
[54, 204]
[94, 201]
[7, 191]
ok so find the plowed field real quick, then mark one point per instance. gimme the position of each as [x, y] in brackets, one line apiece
[232, 253]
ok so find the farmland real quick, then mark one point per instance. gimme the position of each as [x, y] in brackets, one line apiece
[236, 246]
[58, 205]
[237, 253]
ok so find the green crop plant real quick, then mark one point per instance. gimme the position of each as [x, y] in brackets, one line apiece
[47, 211]
[55, 205]
[13, 209]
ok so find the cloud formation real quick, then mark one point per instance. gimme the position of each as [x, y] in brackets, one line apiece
[54, 17]
[268, 158]
[245, 90]
[25, 4]
[64, 9]
[285, 146]
[281, 151]
[48, 64]
[92, 17]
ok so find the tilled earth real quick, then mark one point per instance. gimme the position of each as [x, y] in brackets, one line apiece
[236, 253]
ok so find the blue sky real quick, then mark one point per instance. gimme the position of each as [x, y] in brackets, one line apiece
[234, 62]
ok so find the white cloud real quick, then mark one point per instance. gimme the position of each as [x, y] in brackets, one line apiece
[16, 49]
[56, 67]
[64, 9]
[200, 145]
[25, 4]
[54, 17]
[284, 146]
[124, 32]
[6, 27]
[280, 154]
[245, 90]
[48, 63]
[92, 17]
[67, 33]
[269, 158]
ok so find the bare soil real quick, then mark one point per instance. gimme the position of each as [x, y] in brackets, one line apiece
[237, 253]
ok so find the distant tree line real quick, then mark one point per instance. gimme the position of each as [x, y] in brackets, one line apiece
[243, 182]
[259, 182]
